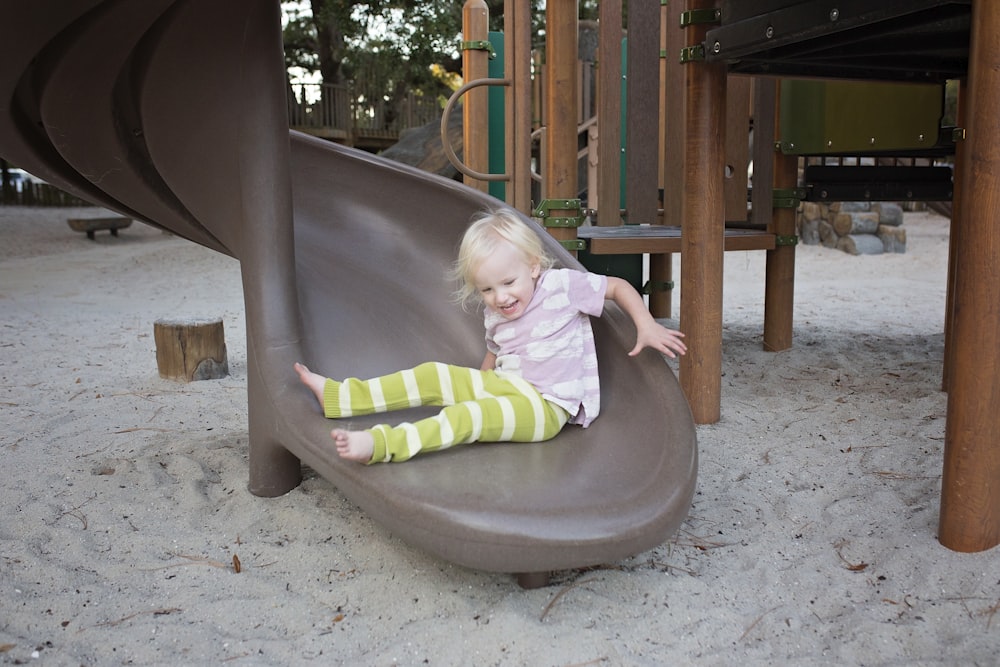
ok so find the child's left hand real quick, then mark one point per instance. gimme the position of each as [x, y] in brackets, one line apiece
[658, 337]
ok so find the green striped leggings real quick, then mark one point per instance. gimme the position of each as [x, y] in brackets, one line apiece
[479, 406]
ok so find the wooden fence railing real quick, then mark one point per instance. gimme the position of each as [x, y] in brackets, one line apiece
[343, 113]
[38, 194]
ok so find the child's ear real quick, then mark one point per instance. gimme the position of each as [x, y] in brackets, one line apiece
[536, 270]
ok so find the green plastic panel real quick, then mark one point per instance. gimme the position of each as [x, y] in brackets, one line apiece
[838, 117]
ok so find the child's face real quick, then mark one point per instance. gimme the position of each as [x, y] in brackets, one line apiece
[506, 282]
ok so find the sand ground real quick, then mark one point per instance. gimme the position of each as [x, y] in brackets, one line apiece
[811, 540]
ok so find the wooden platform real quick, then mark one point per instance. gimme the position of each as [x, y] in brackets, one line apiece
[661, 239]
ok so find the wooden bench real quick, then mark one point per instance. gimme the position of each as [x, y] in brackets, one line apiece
[661, 239]
[91, 225]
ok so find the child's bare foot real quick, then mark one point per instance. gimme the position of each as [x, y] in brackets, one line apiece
[354, 445]
[312, 380]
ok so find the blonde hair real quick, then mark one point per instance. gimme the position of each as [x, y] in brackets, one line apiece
[485, 233]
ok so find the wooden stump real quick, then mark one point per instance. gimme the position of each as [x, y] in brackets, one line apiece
[861, 244]
[189, 350]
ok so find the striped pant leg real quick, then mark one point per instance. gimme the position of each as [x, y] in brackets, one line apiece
[429, 383]
[478, 406]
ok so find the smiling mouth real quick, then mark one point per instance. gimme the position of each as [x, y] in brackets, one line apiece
[510, 307]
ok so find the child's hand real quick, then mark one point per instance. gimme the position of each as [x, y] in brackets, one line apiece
[658, 337]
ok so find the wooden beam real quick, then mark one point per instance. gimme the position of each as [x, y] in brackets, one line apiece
[703, 221]
[475, 107]
[658, 239]
[609, 115]
[738, 95]
[559, 168]
[779, 278]
[642, 111]
[671, 155]
[970, 495]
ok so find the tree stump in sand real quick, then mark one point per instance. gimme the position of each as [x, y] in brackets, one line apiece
[189, 350]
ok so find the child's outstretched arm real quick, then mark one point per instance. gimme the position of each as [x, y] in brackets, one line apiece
[650, 333]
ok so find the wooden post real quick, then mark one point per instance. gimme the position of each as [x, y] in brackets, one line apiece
[970, 495]
[672, 155]
[779, 279]
[955, 230]
[189, 350]
[560, 167]
[738, 90]
[475, 108]
[703, 235]
[609, 118]
[517, 102]
[642, 112]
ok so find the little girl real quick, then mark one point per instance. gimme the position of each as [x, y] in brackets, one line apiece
[540, 369]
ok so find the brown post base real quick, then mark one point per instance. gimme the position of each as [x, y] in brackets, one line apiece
[189, 350]
[531, 580]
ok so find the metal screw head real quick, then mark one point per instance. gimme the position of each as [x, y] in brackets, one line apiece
[716, 47]
[834, 14]
[769, 33]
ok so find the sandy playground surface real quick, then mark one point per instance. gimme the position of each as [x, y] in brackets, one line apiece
[811, 540]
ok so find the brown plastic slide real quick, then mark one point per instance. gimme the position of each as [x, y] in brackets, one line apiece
[173, 112]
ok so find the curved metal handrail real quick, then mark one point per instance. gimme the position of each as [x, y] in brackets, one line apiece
[448, 150]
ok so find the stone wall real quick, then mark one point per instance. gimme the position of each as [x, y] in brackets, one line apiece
[858, 228]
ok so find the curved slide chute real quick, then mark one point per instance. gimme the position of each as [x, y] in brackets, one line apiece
[173, 112]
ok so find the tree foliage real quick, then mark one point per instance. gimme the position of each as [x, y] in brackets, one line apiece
[389, 47]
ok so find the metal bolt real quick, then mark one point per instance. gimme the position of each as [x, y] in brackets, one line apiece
[834, 14]
[872, 141]
[769, 33]
[716, 47]
[920, 137]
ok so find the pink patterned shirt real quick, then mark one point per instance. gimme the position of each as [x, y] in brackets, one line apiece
[552, 344]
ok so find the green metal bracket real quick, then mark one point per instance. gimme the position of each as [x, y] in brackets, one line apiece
[574, 244]
[544, 209]
[788, 197]
[701, 16]
[479, 45]
[654, 286]
[785, 240]
[691, 54]
[561, 222]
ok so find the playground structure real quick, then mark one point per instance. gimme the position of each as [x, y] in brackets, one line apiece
[707, 46]
[174, 113]
[141, 122]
